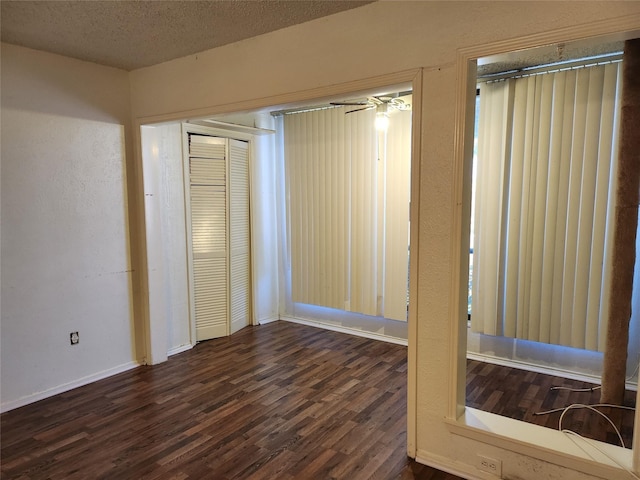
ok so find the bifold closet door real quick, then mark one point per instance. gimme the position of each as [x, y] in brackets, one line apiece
[239, 234]
[208, 202]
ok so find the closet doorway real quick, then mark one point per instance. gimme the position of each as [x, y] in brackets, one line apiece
[216, 173]
[196, 183]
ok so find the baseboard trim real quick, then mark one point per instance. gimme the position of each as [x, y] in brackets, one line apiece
[341, 329]
[556, 372]
[450, 466]
[179, 349]
[26, 400]
[272, 318]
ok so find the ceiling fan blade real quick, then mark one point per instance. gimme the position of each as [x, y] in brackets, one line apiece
[360, 109]
[349, 103]
[399, 104]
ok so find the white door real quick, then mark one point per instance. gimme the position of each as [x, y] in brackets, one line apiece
[219, 217]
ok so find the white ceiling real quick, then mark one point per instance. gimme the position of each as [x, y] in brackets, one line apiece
[132, 34]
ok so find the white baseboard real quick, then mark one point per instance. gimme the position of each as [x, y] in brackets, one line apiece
[34, 397]
[556, 372]
[341, 329]
[450, 466]
[272, 318]
[179, 349]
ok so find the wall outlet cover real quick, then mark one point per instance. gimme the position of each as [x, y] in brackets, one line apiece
[490, 465]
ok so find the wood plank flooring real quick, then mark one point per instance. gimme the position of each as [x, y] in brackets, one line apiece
[520, 394]
[279, 401]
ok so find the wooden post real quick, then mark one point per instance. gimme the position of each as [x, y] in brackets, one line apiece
[626, 226]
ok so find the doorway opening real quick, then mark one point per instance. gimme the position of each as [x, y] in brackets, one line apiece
[387, 156]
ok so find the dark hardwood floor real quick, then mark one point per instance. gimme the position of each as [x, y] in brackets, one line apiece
[280, 401]
[521, 394]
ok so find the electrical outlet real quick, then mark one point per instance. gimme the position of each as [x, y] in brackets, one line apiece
[74, 337]
[490, 465]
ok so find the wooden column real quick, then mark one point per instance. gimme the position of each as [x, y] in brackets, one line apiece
[626, 226]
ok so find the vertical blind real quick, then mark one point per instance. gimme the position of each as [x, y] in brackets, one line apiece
[339, 172]
[544, 206]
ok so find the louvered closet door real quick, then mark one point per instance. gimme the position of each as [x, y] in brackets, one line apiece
[239, 235]
[207, 177]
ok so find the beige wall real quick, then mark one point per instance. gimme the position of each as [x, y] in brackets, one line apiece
[66, 263]
[381, 38]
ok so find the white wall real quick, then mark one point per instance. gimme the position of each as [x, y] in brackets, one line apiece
[165, 219]
[65, 258]
[264, 238]
[374, 40]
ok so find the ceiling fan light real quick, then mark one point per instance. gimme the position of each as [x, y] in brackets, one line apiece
[382, 121]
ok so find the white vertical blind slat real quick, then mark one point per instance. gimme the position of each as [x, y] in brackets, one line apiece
[488, 229]
[512, 301]
[611, 196]
[363, 214]
[538, 330]
[553, 175]
[396, 216]
[563, 142]
[598, 290]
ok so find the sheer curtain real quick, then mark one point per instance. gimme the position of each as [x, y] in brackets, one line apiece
[347, 189]
[544, 205]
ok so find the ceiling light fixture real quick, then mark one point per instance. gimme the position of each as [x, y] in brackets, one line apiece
[382, 117]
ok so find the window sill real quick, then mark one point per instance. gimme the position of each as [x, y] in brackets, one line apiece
[543, 443]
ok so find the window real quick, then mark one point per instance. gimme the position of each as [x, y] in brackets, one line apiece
[347, 187]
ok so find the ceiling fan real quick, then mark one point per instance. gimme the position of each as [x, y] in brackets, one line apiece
[382, 103]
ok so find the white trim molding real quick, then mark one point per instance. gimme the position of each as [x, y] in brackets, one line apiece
[269, 319]
[530, 367]
[454, 468]
[179, 349]
[65, 387]
[341, 329]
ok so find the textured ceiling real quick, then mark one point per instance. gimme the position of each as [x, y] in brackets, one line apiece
[549, 54]
[131, 34]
